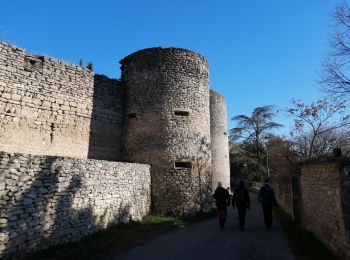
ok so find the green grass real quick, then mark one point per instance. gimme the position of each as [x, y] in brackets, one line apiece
[304, 244]
[116, 239]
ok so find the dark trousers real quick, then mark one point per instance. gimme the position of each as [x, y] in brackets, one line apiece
[241, 215]
[267, 209]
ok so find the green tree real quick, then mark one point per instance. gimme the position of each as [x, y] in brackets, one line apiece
[90, 66]
[255, 128]
[249, 135]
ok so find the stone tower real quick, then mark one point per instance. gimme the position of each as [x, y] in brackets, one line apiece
[219, 139]
[168, 124]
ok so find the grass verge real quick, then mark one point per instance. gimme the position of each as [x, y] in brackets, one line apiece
[304, 244]
[116, 239]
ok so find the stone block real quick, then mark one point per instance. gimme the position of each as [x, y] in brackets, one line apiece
[15, 97]
[6, 96]
[27, 201]
[13, 235]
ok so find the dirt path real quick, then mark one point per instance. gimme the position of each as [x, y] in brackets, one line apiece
[206, 240]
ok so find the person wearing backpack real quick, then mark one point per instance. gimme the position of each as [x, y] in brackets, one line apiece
[241, 200]
[268, 201]
[222, 200]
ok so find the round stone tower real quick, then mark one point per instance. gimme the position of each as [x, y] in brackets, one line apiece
[168, 124]
[219, 139]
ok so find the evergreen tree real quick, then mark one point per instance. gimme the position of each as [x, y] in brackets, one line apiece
[90, 66]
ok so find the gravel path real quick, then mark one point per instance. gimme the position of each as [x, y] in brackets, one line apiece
[205, 240]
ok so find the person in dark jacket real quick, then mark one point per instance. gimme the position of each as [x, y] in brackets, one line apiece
[241, 200]
[268, 201]
[222, 200]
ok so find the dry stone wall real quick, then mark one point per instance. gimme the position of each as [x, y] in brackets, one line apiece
[50, 107]
[45, 200]
[168, 123]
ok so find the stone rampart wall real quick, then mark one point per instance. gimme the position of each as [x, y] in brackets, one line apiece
[45, 200]
[50, 107]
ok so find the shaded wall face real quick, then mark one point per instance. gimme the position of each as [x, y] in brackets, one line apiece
[345, 194]
[219, 140]
[286, 184]
[322, 211]
[50, 107]
[46, 200]
[283, 191]
[167, 118]
[107, 119]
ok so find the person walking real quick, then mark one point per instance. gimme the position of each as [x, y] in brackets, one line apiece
[268, 201]
[222, 200]
[241, 200]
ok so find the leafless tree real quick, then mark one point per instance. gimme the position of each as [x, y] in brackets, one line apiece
[335, 78]
[202, 168]
[316, 125]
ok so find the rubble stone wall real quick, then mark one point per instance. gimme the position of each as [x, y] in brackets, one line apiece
[168, 124]
[45, 200]
[50, 107]
[219, 140]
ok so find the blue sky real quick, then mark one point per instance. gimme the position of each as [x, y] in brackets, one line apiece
[259, 52]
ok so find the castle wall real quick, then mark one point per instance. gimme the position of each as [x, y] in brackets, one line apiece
[167, 124]
[45, 200]
[219, 140]
[50, 107]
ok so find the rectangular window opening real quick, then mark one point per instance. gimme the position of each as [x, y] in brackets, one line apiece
[183, 165]
[181, 113]
[33, 63]
[132, 115]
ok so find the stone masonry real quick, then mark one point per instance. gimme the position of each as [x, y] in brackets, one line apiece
[318, 195]
[168, 117]
[325, 189]
[63, 130]
[49, 107]
[219, 140]
[47, 199]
